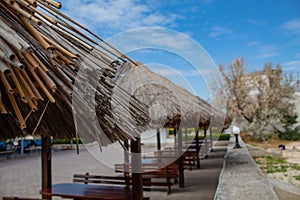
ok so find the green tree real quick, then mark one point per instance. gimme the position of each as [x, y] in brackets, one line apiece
[258, 101]
[291, 132]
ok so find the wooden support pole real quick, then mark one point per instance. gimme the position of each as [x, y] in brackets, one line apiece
[175, 139]
[46, 166]
[211, 138]
[205, 142]
[180, 159]
[158, 139]
[197, 147]
[179, 153]
[126, 161]
[137, 182]
[186, 135]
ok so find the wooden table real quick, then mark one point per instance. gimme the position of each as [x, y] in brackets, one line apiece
[89, 191]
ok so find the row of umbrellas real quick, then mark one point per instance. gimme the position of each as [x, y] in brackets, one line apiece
[59, 78]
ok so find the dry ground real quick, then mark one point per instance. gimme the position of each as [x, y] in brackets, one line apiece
[283, 165]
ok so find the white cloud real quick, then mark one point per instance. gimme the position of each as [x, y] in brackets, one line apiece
[256, 22]
[291, 65]
[115, 14]
[252, 44]
[158, 38]
[217, 31]
[292, 26]
[268, 51]
[207, 1]
[186, 73]
[264, 51]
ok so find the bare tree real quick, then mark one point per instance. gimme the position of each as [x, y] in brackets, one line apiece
[258, 101]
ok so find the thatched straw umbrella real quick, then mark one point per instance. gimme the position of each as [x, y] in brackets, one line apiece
[44, 54]
[41, 56]
[170, 105]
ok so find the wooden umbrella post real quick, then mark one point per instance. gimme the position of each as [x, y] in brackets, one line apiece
[197, 146]
[158, 143]
[137, 182]
[46, 166]
[186, 135]
[211, 138]
[180, 159]
[158, 139]
[175, 137]
[205, 142]
[126, 161]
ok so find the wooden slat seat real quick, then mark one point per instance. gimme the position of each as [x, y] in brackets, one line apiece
[6, 153]
[189, 156]
[154, 174]
[18, 198]
[98, 179]
[104, 180]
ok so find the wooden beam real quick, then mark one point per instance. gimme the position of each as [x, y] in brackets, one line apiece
[180, 159]
[211, 138]
[137, 182]
[205, 142]
[158, 139]
[46, 166]
[197, 146]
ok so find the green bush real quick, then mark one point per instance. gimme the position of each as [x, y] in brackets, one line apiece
[291, 134]
[290, 131]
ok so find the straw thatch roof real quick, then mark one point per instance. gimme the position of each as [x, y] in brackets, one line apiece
[53, 70]
[40, 57]
[170, 105]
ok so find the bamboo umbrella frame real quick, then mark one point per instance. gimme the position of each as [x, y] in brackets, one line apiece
[40, 56]
[180, 107]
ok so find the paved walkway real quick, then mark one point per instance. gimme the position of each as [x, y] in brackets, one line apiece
[242, 179]
[235, 177]
[21, 176]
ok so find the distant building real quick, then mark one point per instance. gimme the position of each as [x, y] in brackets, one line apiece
[296, 84]
[297, 103]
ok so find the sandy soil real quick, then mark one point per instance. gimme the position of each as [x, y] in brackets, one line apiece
[291, 154]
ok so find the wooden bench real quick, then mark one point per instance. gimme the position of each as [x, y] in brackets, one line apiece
[6, 153]
[104, 180]
[154, 174]
[98, 179]
[189, 156]
[18, 198]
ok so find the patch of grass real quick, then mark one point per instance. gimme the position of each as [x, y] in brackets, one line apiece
[258, 162]
[295, 166]
[297, 177]
[274, 160]
[270, 165]
[280, 169]
[269, 171]
[276, 169]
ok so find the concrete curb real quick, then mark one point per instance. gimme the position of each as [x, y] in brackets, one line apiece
[241, 178]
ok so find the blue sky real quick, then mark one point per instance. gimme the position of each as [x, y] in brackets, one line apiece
[259, 31]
